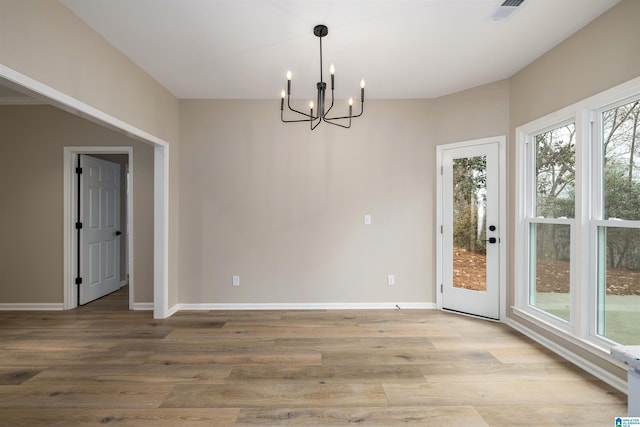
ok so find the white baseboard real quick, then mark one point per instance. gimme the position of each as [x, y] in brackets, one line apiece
[143, 306]
[595, 370]
[173, 310]
[306, 306]
[32, 307]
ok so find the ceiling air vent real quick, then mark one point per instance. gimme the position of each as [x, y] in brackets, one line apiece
[512, 3]
[506, 9]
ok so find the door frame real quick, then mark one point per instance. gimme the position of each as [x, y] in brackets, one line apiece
[502, 211]
[70, 206]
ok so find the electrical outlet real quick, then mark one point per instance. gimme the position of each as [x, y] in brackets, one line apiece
[391, 280]
[367, 220]
[236, 281]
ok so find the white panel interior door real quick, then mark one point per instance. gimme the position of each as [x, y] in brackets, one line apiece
[100, 234]
[471, 230]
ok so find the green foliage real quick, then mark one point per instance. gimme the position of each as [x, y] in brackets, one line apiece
[469, 178]
[621, 131]
[555, 172]
[555, 185]
[622, 195]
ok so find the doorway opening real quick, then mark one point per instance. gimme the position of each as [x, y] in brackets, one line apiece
[51, 96]
[114, 243]
[471, 238]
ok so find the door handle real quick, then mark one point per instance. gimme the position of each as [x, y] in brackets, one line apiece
[118, 233]
[492, 240]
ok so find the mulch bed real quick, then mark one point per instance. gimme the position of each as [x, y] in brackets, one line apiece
[551, 275]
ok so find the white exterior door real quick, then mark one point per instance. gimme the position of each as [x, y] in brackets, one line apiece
[471, 229]
[100, 232]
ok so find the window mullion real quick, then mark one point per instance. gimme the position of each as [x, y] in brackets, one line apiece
[581, 257]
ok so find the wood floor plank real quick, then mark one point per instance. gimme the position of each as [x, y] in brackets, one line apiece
[213, 345]
[551, 415]
[318, 331]
[390, 356]
[481, 342]
[525, 355]
[271, 358]
[328, 374]
[16, 376]
[458, 371]
[436, 416]
[83, 395]
[275, 395]
[141, 374]
[514, 392]
[131, 332]
[360, 343]
[122, 417]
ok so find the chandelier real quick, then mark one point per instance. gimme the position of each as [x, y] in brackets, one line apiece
[321, 113]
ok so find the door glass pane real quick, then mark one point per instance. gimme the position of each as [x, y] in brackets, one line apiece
[621, 137]
[619, 284]
[469, 223]
[555, 172]
[550, 267]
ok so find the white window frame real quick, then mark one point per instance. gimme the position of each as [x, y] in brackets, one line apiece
[598, 220]
[581, 329]
[526, 202]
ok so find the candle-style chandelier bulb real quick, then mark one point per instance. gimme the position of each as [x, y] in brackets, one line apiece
[322, 112]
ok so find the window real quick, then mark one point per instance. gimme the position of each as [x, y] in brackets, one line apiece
[578, 220]
[618, 228]
[550, 220]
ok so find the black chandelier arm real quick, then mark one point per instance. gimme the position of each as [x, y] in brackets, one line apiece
[291, 121]
[332, 99]
[317, 123]
[330, 121]
[299, 112]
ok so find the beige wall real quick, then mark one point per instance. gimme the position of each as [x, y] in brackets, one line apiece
[471, 114]
[283, 207]
[603, 54]
[47, 42]
[31, 213]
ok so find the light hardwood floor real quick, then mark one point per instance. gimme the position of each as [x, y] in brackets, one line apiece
[102, 364]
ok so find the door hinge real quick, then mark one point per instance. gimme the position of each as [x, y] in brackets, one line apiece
[441, 170]
[78, 226]
[442, 229]
[78, 170]
[441, 288]
[78, 280]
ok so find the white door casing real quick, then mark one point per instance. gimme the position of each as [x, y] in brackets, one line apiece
[461, 286]
[100, 233]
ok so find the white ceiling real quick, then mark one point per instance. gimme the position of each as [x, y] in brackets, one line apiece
[241, 49]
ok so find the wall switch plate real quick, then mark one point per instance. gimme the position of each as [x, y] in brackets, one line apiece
[367, 220]
[391, 280]
[236, 281]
